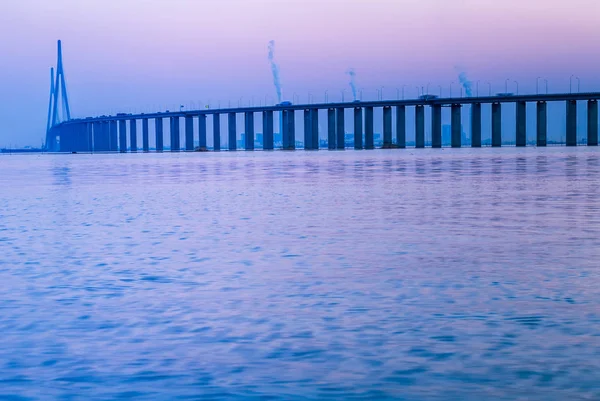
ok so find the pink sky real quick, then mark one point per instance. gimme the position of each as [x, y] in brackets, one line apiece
[141, 54]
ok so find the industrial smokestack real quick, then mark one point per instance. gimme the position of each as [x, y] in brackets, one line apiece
[275, 70]
[352, 81]
[468, 85]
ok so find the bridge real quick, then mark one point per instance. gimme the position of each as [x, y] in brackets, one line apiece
[119, 133]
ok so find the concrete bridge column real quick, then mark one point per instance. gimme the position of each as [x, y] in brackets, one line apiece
[122, 136]
[571, 123]
[542, 123]
[175, 135]
[158, 130]
[310, 130]
[314, 119]
[419, 126]
[571, 138]
[82, 137]
[133, 135]
[202, 131]
[521, 113]
[401, 126]
[232, 131]
[291, 129]
[369, 140]
[96, 137]
[106, 136]
[331, 133]
[387, 127]
[100, 141]
[456, 125]
[64, 144]
[145, 139]
[436, 126]
[285, 134]
[113, 136]
[189, 133]
[249, 131]
[592, 123]
[340, 129]
[308, 141]
[358, 128]
[78, 138]
[268, 130]
[496, 124]
[476, 125]
[89, 137]
[217, 132]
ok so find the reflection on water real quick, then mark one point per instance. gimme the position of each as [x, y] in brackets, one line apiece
[415, 275]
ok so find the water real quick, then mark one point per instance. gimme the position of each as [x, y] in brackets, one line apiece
[402, 274]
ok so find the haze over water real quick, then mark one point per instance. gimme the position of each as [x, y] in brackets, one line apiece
[464, 274]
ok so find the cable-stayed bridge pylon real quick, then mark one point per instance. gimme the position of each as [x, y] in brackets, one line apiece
[58, 105]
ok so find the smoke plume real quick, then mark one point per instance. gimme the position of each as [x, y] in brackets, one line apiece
[275, 70]
[468, 85]
[352, 81]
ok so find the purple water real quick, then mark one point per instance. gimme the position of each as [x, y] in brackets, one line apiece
[401, 274]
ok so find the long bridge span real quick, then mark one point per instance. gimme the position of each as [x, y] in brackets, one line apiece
[118, 133]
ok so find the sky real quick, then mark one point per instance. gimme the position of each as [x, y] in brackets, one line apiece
[147, 55]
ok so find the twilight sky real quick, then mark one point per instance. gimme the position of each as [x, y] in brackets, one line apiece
[144, 55]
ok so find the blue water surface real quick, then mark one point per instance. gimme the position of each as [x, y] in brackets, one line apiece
[390, 274]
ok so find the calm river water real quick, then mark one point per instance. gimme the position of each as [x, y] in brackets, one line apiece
[401, 274]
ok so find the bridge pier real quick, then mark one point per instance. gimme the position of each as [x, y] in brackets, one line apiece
[542, 124]
[232, 131]
[308, 141]
[358, 128]
[63, 134]
[456, 125]
[285, 134]
[175, 134]
[249, 130]
[202, 131]
[340, 129]
[133, 135]
[571, 137]
[311, 129]
[592, 123]
[66, 139]
[268, 130]
[476, 125]
[419, 126]
[89, 137]
[216, 132]
[96, 136]
[521, 129]
[291, 129]
[331, 133]
[113, 136]
[314, 119]
[496, 124]
[158, 131]
[189, 133]
[145, 138]
[401, 126]
[369, 140]
[436, 126]
[387, 127]
[123, 136]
